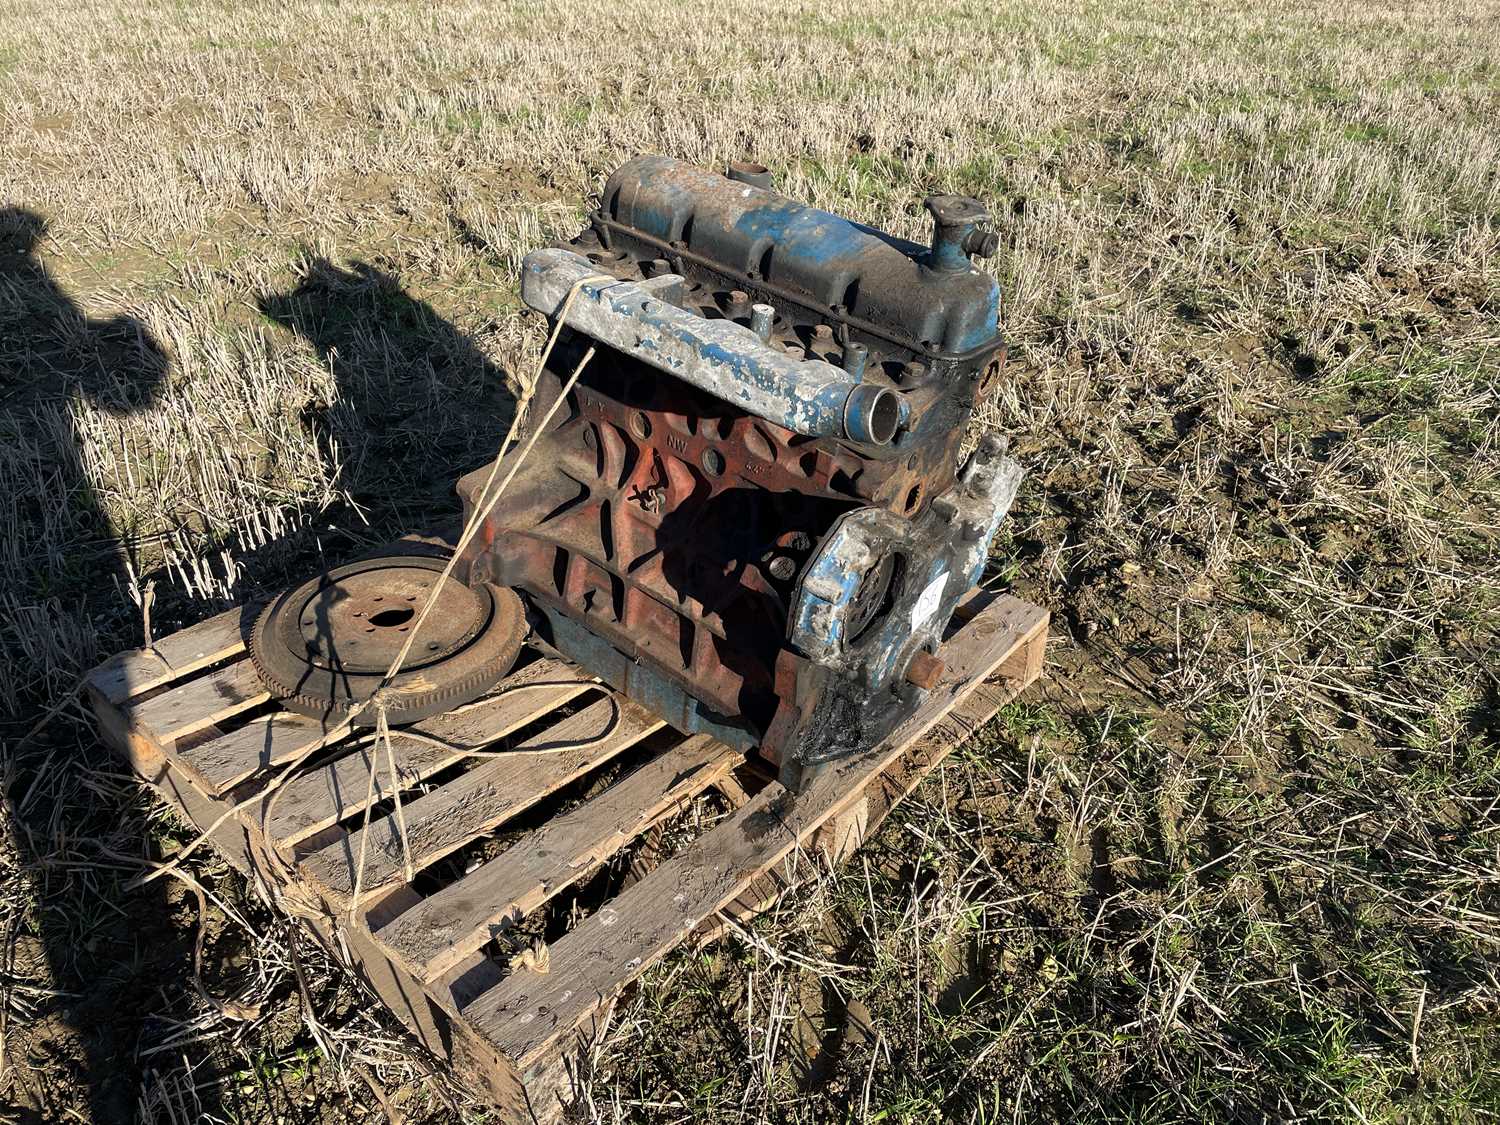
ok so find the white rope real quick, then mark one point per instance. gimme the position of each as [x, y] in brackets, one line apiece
[481, 512]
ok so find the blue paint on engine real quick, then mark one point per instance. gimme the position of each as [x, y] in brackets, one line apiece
[729, 360]
[831, 260]
[822, 239]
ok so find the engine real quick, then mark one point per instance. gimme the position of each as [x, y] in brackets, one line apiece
[749, 514]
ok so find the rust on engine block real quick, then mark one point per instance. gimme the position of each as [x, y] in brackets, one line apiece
[765, 585]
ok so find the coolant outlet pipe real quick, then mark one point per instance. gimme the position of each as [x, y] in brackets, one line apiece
[726, 359]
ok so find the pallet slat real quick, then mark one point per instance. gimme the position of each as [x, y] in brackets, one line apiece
[202, 702]
[128, 674]
[323, 797]
[484, 797]
[528, 1013]
[439, 932]
[848, 830]
[272, 740]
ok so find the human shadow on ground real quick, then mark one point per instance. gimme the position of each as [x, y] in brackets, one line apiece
[418, 401]
[415, 404]
[95, 955]
[54, 362]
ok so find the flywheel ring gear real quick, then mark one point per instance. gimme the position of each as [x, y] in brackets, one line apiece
[322, 648]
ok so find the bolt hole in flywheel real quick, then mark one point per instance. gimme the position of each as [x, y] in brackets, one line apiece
[323, 647]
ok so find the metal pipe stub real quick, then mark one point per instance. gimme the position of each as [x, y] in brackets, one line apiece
[746, 172]
[323, 648]
[873, 414]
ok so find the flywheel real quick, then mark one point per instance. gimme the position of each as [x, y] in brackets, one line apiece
[323, 648]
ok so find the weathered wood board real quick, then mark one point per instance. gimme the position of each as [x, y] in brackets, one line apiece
[574, 775]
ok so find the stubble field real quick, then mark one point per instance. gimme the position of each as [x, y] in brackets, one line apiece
[1237, 858]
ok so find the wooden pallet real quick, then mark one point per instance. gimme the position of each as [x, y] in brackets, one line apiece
[194, 722]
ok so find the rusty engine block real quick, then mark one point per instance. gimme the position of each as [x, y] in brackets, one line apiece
[749, 515]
